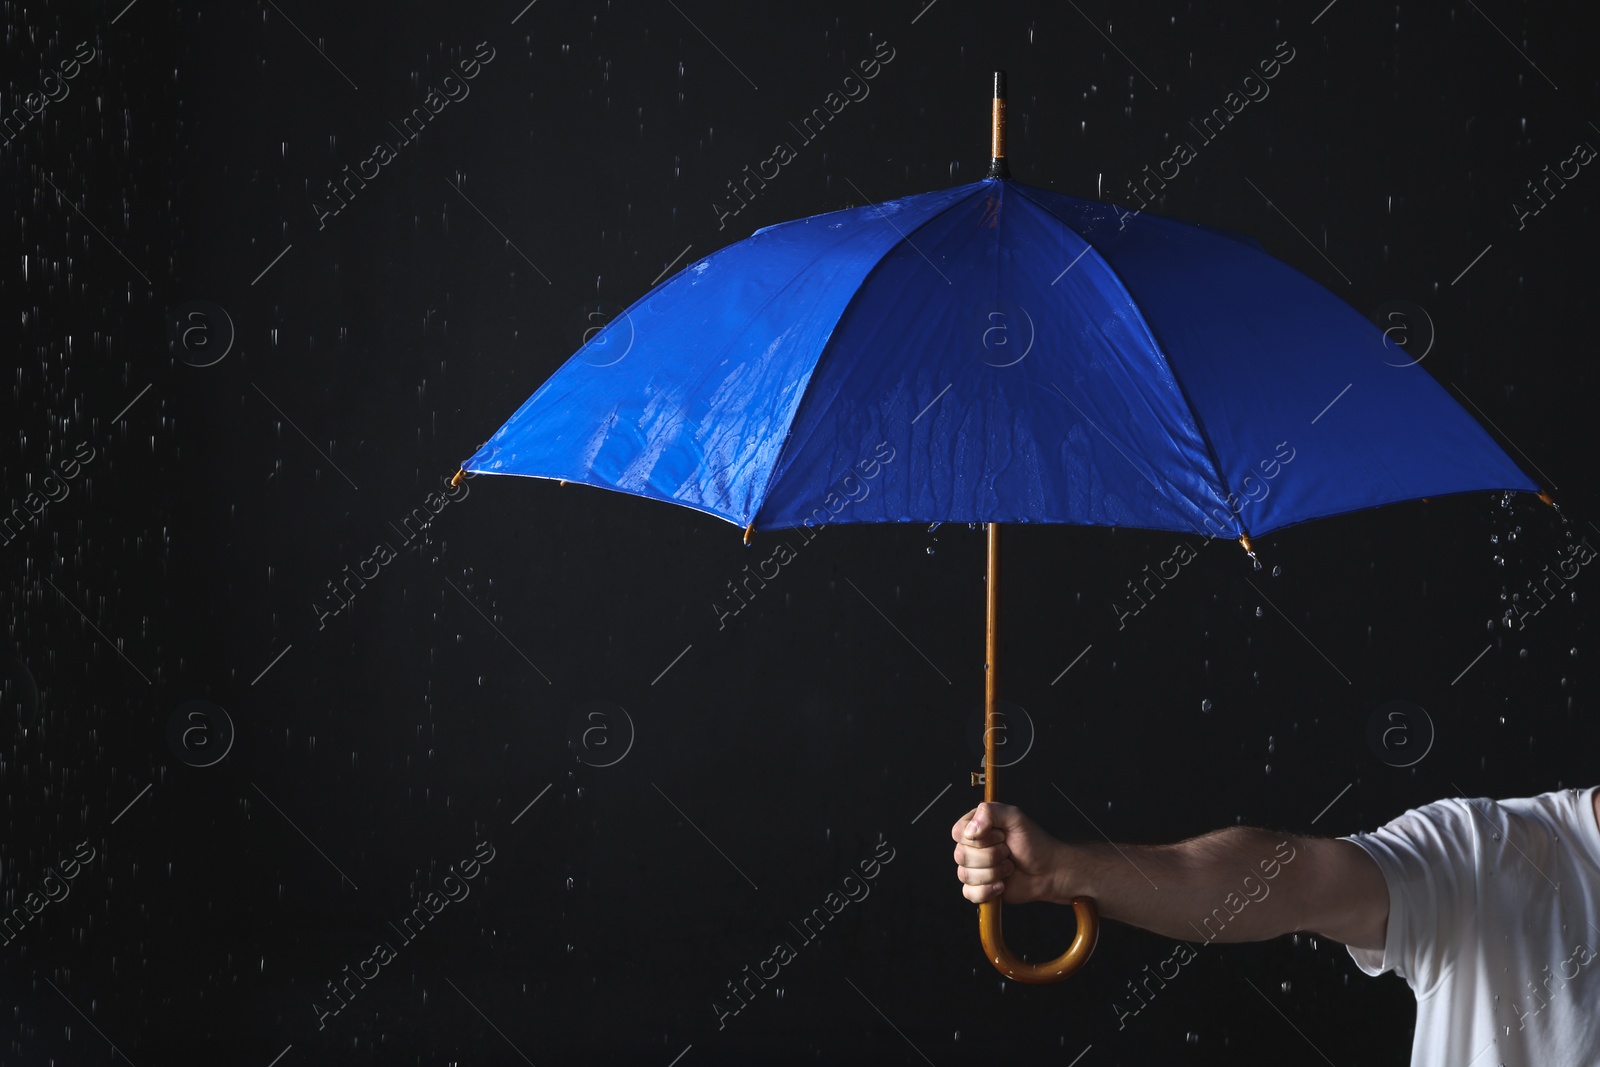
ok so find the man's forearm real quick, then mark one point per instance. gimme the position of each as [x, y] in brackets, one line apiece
[1229, 885]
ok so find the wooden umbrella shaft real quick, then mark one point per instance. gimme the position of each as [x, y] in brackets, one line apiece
[997, 129]
[991, 691]
[989, 926]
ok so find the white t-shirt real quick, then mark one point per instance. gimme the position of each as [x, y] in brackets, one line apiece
[1494, 921]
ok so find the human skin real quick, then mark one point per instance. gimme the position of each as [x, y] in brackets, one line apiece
[1324, 886]
[1332, 888]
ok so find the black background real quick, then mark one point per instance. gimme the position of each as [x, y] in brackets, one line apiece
[774, 755]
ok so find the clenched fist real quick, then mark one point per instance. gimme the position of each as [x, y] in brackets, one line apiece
[1002, 852]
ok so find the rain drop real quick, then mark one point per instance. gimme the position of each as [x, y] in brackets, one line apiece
[1205, 705]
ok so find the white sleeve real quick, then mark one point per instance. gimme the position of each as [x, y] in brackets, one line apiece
[1429, 857]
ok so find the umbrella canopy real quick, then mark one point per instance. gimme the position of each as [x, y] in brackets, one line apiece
[1025, 356]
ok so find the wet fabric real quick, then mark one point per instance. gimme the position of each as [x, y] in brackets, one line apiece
[1023, 356]
[1494, 921]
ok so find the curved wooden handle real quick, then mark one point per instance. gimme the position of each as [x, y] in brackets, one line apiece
[1063, 966]
[994, 943]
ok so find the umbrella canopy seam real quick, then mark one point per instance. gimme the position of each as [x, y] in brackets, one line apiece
[1155, 342]
[824, 350]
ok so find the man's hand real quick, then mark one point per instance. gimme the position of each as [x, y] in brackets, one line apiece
[1000, 851]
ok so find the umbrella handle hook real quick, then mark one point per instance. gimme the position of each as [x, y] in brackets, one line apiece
[1064, 966]
[994, 943]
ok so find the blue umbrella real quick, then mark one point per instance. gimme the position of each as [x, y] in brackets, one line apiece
[999, 353]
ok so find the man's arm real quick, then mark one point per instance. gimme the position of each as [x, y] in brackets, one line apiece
[1252, 885]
